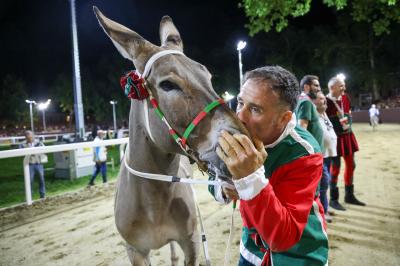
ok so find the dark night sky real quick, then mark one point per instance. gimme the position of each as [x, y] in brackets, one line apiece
[36, 36]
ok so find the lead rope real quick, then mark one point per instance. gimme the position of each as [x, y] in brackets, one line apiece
[229, 243]
[167, 178]
[202, 231]
[203, 234]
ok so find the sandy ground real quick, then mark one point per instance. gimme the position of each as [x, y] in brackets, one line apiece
[78, 228]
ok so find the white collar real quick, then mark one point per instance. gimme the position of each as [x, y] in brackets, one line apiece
[289, 127]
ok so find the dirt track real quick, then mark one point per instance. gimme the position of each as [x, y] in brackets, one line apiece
[78, 229]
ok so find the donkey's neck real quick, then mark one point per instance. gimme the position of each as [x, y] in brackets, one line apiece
[144, 154]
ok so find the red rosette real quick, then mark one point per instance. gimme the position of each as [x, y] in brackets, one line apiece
[133, 86]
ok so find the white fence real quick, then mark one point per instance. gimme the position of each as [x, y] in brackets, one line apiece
[50, 149]
[46, 138]
[14, 140]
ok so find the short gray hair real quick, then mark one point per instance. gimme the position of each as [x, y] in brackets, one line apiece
[333, 81]
[29, 132]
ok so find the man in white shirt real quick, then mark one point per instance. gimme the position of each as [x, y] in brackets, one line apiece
[100, 159]
[35, 162]
[374, 116]
[328, 150]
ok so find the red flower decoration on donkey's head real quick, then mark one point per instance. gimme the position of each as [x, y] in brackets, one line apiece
[133, 86]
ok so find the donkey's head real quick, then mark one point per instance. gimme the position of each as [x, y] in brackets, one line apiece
[182, 88]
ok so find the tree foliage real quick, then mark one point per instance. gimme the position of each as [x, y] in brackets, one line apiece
[13, 94]
[265, 15]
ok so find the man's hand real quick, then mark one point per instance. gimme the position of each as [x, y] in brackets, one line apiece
[230, 193]
[240, 155]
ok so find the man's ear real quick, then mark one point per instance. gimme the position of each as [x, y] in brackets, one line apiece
[286, 117]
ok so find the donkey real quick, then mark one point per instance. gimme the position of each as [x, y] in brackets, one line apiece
[148, 213]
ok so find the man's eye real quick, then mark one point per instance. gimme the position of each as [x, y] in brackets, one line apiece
[167, 85]
[255, 110]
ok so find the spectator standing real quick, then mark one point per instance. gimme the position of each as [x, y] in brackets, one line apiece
[306, 113]
[100, 159]
[35, 162]
[374, 116]
[308, 118]
[339, 113]
[329, 151]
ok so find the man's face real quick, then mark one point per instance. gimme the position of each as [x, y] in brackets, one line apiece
[338, 88]
[29, 137]
[320, 102]
[314, 88]
[260, 111]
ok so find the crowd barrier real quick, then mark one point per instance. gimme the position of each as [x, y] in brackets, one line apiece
[50, 149]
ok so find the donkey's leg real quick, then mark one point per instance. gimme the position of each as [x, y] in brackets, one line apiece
[174, 256]
[190, 247]
[137, 258]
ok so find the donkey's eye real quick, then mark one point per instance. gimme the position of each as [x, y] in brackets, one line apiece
[167, 85]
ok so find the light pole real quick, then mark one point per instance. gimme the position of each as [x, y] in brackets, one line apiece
[240, 46]
[114, 116]
[30, 102]
[42, 107]
[78, 106]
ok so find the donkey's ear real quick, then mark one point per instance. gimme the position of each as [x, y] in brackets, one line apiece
[169, 35]
[130, 44]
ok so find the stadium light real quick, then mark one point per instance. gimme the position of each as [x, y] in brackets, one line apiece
[241, 45]
[227, 96]
[42, 107]
[114, 116]
[30, 102]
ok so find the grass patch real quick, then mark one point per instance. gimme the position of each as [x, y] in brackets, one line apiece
[12, 187]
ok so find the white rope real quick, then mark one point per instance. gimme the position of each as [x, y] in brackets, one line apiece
[168, 178]
[202, 231]
[153, 58]
[146, 115]
[229, 243]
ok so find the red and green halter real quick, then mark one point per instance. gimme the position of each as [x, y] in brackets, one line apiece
[134, 86]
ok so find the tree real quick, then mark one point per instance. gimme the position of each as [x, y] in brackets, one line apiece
[13, 108]
[265, 15]
[379, 15]
[63, 92]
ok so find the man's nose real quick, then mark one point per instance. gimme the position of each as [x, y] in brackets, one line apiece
[241, 114]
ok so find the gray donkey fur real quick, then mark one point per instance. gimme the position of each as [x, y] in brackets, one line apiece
[150, 214]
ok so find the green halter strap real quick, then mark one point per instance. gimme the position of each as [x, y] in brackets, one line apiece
[182, 141]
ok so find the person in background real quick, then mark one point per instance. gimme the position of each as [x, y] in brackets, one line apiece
[306, 113]
[374, 116]
[35, 162]
[329, 151]
[339, 113]
[100, 159]
[121, 130]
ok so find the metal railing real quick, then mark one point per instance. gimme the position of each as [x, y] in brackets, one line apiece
[50, 149]
[46, 138]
